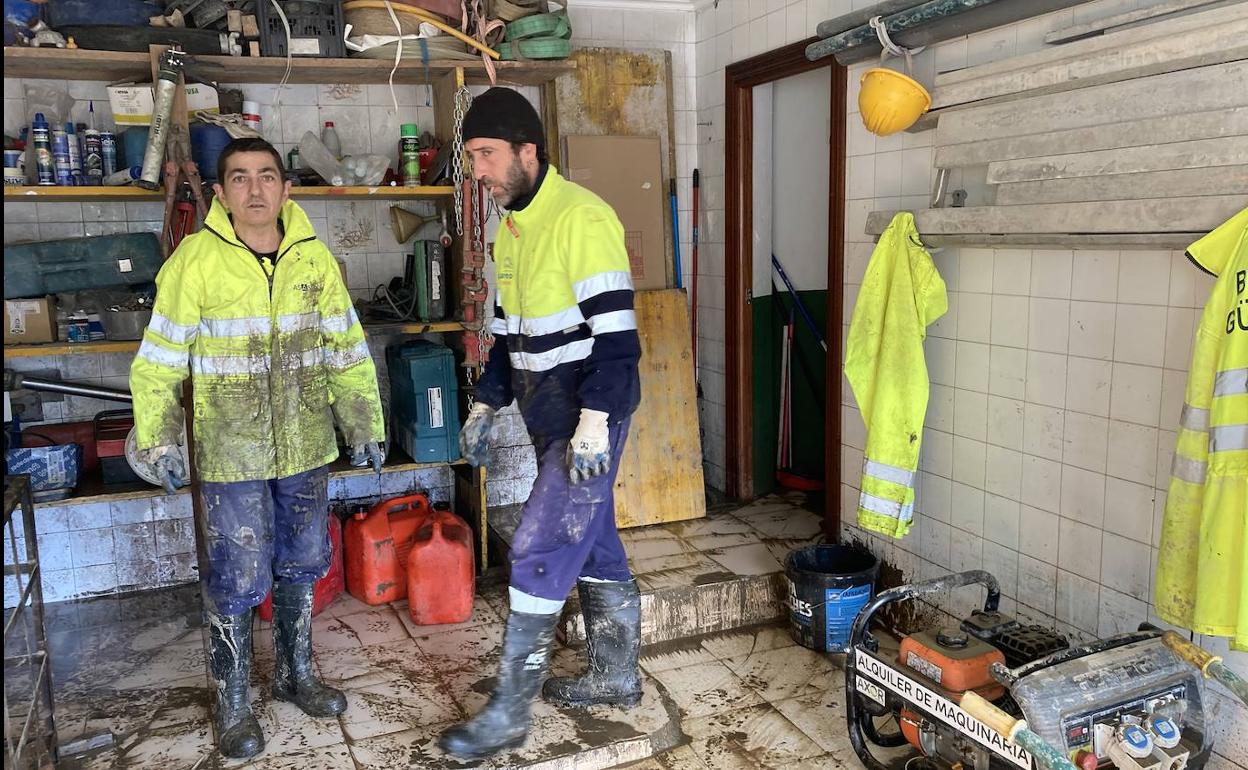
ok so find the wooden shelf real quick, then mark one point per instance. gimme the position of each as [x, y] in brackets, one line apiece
[81, 64]
[52, 194]
[91, 489]
[129, 346]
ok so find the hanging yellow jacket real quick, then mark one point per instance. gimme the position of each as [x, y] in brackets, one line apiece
[900, 296]
[1202, 568]
[275, 352]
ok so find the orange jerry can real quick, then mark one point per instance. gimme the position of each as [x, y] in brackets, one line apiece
[378, 542]
[326, 589]
[441, 576]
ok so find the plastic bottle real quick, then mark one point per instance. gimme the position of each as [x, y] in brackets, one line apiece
[329, 137]
[108, 152]
[93, 159]
[45, 165]
[409, 154]
[251, 115]
[60, 156]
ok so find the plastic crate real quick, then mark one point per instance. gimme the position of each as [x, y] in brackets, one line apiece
[315, 28]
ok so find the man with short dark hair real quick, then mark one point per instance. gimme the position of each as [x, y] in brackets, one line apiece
[254, 310]
[566, 349]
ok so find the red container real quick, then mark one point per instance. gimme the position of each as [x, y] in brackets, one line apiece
[325, 590]
[111, 429]
[377, 544]
[440, 571]
[56, 434]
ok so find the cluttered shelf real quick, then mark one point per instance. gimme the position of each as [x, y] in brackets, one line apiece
[91, 488]
[53, 193]
[129, 346]
[82, 64]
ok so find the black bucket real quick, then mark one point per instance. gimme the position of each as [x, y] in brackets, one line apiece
[828, 585]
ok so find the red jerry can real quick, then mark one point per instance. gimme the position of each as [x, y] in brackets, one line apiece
[440, 572]
[378, 542]
[327, 588]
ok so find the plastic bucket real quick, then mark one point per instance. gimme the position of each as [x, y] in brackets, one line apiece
[828, 585]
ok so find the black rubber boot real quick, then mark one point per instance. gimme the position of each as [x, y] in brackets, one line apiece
[293, 678]
[504, 722]
[229, 658]
[612, 613]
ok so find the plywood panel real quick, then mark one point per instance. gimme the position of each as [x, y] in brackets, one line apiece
[622, 92]
[1156, 184]
[1202, 153]
[660, 476]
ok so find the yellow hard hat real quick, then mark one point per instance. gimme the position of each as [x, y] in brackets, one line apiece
[890, 101]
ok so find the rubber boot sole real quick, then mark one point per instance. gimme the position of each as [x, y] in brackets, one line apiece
[623, 701]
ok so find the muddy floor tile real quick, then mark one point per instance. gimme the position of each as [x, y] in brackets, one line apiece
[346, 604]
[782, 547]
[747, 559]
[175, 662]
[379, 662]
[379, 626]
[467, 644]
[735, 644]
[676, 654]
[787, 672]
[395, 706]
[715, 540]
[759, 736]
[288, 730]
[335, 757]
[639, 549]
[175, 748]
[401, 751]
[679, 758]
[706, 688]
[821, 717]
[784, 523]
[331, 633]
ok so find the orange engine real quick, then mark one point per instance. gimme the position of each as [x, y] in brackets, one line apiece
[949, 661]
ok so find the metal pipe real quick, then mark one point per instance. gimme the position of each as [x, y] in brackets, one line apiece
[894, 24]
[14, 380]
[845, 21]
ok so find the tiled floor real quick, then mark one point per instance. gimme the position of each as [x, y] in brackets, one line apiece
[134, 668]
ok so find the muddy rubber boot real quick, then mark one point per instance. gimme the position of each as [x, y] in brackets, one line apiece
[293, 677]
[612, 613]
[504, 722]
[229, 660]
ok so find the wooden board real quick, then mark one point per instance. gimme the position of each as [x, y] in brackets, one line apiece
[1199, 47]
[1196, 215]
[1202, 153]
[1099, 26]
[1135, 133]
[1174, 185]
[660, 477]
[622, 92]
[1201, 89]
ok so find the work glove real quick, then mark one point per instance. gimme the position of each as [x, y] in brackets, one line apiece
[366, 454]
[474, 437]
[167, 462]
[589, 452]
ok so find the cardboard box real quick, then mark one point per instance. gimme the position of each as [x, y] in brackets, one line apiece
[29, 320]
[132, 103]
[627, 173]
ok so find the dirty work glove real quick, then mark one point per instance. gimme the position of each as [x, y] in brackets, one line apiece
[589, 453]
[368, 453]
[474, 437]
[167, 462]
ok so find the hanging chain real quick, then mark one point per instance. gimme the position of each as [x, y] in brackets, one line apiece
[463, 100]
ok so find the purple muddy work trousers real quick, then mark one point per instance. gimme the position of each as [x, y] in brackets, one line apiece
[257, 530]
[568, 531]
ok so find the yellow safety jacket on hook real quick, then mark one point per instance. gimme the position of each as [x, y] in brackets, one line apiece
[901, 295]
[1202, 568]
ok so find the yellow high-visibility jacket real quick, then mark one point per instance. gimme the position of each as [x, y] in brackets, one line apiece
[900, 296]
[1202, 569]
[275, 353]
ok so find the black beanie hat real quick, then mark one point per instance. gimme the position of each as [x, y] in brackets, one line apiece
[501, 113]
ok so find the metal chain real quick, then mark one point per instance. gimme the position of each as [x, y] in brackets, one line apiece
[463, 100]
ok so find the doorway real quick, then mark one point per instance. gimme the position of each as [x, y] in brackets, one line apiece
[781, 110]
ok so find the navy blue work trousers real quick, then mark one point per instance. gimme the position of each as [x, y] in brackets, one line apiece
[568, 531]
[257, 530]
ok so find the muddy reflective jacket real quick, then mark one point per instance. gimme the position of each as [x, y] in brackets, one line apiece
[565, 332]
[900, 296]
[275, 353]
[1202, 568]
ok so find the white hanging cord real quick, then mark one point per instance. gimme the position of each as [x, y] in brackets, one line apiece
[398, 55]
[881, 32]
[290, 57]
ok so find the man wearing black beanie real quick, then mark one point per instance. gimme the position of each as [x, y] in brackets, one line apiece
[566, 348]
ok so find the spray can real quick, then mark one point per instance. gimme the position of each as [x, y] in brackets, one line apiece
[251, 114]
[60, 155]
[108, 152]
[75, 153]
[92, 159]
[409, 154]
[45, 164]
